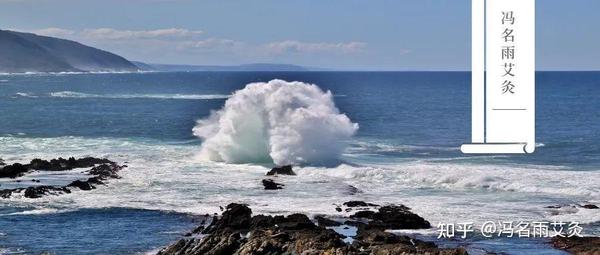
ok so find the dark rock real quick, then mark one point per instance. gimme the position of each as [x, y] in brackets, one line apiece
[338, 209]
[62, 164]
[271, 185]
[39, 191]
[397, 217]
[102, 169]
[40, 164]
[106, 170]
[82, 185]
[363, 214]
[237, 232]
[95, 180]
[13, 171]
[237, 216]
[358, 204]
[377, 241]
[351, 190]
[578, 245]
[284, 170]
[35, 191]
[325, 222]
[590, 206]
[6, 193]
[294, 222]
[390, 217]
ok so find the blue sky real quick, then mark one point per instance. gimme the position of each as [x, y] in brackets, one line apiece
[342, 34]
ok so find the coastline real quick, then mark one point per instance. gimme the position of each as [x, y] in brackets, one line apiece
[352, 227]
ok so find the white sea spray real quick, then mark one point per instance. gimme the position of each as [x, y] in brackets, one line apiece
[278, 121]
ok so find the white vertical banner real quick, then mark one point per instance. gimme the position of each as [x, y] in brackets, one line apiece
[503, 77]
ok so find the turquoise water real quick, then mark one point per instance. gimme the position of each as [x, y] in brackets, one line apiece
[405, 151]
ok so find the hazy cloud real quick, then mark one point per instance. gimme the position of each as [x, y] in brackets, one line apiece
[114, 34]
[291, 46]
[210, 43]
[54, 32]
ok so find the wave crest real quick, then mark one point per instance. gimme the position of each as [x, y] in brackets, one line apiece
[278, 121]
[72, 94]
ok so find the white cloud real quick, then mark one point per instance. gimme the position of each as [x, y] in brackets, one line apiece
[114, 34]
[54, 32]
[210, 43]
[291, 46]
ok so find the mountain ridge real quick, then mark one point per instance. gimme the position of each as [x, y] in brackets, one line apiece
[26, 52]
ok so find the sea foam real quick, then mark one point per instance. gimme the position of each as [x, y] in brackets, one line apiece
[72, 94]
[278, 121]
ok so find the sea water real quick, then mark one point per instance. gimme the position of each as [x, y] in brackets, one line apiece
[405, 151]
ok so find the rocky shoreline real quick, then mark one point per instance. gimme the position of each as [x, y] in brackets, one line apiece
[101, 170]
[578, 245]
[360, 227]
[237, 231]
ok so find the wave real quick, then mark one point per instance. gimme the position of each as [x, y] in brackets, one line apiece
[384, 147]
[72, 94]
[164, 176]
[278, 121]
[40, 211]
[72, 73]
[23, 94]
[483, 177]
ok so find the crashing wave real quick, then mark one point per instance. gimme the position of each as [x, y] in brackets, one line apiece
[278, 121]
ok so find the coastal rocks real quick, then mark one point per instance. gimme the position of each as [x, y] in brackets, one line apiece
[385, 217]
[82, 185]
[578, 245]
[34, 192]
[377, 241]
[284, 170]
[269, 184]
[590, 206]
[102, 169]
[236, 216]
[107, 170]
[13, 171]
[569, 208]
[325, 222]
[60, 164]
[397, 217]
[358, 204]
[39, 191]
[238, 232]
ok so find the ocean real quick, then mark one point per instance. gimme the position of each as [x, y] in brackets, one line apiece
[405, 151]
